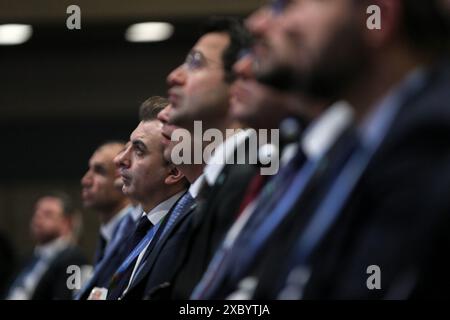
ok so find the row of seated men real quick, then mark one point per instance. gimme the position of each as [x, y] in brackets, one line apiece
[353, 203]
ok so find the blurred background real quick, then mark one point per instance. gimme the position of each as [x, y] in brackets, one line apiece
[63, 92]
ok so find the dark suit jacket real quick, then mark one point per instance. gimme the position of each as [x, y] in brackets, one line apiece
[103, 277]
[210, 223]
[399, 214]
[115, 254]
[278, 244]
[53, 284]
[397, 217]
[160, 260]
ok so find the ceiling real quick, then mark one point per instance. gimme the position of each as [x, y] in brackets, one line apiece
[65, 91]
[54, 11]
[94, 72]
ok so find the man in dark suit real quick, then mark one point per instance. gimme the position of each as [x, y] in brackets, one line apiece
[378, 226]
[262, 106]
[45, 276]
[161, 190]
[313, 215]
[252, 104]
[100, 193]
[160, 259]
[191, 88]
[116, 252]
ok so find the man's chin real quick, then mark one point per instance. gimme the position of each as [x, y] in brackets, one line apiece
[282, 78]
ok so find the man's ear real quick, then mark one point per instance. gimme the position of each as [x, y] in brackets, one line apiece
[174, 175]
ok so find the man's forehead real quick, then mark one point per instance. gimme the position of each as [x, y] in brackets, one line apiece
[146, 130]
[49, 202]
[212, 43]
[102, 157]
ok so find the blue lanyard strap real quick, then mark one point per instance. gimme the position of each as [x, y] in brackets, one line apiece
[222, 259]
[138, 249]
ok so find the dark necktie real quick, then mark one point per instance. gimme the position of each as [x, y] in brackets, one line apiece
[121, 278]
[139, 233]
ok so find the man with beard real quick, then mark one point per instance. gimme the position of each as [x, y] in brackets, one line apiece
[386, 209]
[381, 208]
[272, 53]
[337, 57]
[45, 275]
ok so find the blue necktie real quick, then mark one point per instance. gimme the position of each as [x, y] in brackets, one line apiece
[277, 198]
[342, 187]
[265, 221]
[327, 213]
[183, 205]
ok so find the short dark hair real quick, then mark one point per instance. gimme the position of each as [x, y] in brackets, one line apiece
[239, 39]
[150, 108]
[67, 205]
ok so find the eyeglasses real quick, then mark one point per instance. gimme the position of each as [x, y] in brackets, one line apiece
[195, 60]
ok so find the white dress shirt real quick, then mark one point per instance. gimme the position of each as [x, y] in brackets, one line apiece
[154, 216]
[223, 154]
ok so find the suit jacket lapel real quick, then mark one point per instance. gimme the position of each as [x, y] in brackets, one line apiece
[111, 250]
[153, 252]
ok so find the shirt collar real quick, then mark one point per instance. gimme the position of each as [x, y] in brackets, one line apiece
[136, 212]
[223, 154]
[377, 123]
[50, 249]
[157, 213]
[196, 186]
[320, 136]
[107, 229]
